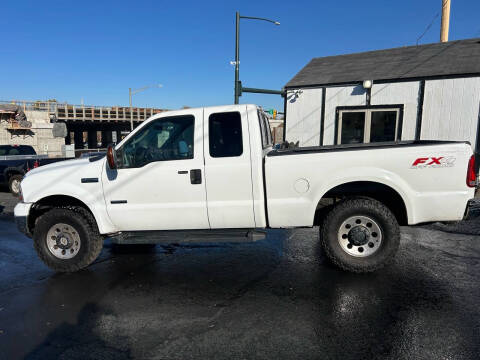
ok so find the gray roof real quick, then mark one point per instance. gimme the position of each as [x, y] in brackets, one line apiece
[451, 58]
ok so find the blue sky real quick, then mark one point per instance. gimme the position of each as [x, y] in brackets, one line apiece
[96, 50]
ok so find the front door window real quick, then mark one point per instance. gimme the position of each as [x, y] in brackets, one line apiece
[164, 139]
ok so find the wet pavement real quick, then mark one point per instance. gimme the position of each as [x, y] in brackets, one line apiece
[7, 203]
[276, 298]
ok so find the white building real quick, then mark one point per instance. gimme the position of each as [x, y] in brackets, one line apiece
[425, 92]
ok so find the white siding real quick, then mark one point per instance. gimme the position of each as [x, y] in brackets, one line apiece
[405, 93]
[450, 109]
[303, 117]
[339, 96]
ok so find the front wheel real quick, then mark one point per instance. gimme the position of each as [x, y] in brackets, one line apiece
[67, 239]
[360, 235]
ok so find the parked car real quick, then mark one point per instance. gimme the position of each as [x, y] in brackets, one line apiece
[16, 161]
[211, 174]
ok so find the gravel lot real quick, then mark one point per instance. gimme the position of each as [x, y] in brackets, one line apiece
[276, 298]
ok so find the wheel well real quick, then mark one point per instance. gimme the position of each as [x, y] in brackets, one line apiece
[50, 202]
[383, 193]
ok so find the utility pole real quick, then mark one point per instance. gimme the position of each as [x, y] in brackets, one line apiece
[445, 20]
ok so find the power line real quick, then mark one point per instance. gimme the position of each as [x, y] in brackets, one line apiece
[428, 27]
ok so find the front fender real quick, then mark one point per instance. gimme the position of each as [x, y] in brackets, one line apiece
[66, 180]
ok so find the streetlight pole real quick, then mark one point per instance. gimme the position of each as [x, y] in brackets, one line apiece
[237, 86]
[136, 91]
[131, 108]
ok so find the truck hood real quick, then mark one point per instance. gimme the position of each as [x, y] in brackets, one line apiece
[63, 178]
[58, 166]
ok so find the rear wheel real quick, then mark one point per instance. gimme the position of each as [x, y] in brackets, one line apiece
[14, 184]
[67, 239]
[360, 235]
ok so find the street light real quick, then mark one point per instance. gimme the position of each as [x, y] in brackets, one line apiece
[237, 49]
[136, 91]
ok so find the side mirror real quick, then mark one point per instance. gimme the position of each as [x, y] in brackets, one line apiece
[111, 157]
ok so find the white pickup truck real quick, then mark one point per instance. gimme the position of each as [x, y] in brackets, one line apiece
[211, 174]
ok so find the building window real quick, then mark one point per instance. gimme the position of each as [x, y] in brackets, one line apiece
[368, 124]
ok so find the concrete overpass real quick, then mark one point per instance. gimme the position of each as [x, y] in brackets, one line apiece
[89, 127]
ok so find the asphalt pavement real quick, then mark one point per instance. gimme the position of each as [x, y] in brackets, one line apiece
[273, 299]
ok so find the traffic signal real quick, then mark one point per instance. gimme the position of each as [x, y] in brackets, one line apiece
[273, 113]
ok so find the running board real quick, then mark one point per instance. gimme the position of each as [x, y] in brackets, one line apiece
[188, 236]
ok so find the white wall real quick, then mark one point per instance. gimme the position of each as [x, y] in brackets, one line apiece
[339, 96]
[405, 93]
[450, 109]
[303, 117]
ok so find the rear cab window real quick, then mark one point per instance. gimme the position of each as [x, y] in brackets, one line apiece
[225, 134]
[26, 150]
[267, 139]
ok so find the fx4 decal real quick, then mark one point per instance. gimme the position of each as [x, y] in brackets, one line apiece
[433, 162]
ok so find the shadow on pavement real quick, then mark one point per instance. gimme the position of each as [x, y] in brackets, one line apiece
[78, 341]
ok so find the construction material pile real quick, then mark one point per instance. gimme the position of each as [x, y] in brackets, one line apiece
[18, 115]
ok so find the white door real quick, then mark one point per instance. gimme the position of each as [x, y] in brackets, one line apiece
[159, 183]
[228, 172]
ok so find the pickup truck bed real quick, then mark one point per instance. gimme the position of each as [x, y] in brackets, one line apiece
[416, 188]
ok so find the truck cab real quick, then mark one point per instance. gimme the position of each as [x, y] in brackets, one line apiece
[167, 170]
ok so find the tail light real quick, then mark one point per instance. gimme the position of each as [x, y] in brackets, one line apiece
[471, 175]
[36, 164]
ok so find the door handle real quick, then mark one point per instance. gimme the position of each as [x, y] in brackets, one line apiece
[196, 176]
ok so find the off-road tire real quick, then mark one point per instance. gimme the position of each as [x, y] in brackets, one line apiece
[85, 225]
[360, 207]
[11, 180]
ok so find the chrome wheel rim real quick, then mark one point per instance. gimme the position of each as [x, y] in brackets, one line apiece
[63, 241]
[360, 236]
[16, 186]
